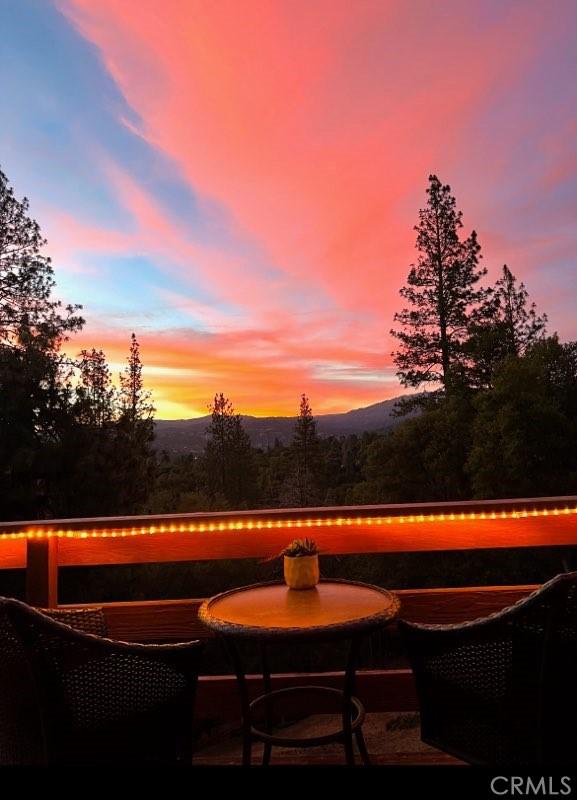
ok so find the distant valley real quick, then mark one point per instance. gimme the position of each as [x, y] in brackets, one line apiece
[189, 435]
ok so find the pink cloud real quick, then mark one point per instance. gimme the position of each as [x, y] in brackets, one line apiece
[315, 125]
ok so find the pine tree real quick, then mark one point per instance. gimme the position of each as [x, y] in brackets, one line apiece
[135, 401]
[34, 375]
[301, 486]
[228, 456]
[28, 312]
[95, 392]
[441, 293]
[521, 324]
[507, 325]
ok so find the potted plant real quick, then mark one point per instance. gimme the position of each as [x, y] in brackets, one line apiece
[301, 564]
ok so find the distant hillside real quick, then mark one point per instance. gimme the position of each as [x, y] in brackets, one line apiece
[189, 435]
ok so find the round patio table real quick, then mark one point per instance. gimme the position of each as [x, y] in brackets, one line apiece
[269, 613]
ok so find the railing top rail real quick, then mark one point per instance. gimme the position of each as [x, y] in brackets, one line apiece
[246, 519]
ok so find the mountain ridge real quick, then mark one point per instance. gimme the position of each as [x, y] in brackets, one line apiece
[181, 436]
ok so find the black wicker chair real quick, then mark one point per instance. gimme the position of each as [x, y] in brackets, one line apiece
[502, 690]
[70, 696]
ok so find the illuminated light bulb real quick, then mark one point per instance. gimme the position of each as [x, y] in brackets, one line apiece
[452, 517]
[462, 516]
[401, 520]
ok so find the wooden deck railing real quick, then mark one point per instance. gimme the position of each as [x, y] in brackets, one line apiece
[41, 547]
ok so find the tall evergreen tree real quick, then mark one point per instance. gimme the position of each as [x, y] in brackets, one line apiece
[441, 293]
[228, 458]
[507, 325]
[135, 401]
[34, 386]
[28, 310]
[135, 435]
[301, 485]
[95, 393]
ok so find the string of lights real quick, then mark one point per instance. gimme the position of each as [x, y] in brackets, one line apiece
[260, 524]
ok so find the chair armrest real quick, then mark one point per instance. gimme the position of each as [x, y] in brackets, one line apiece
[490, 620]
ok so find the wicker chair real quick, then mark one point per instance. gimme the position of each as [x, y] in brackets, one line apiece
[502, 690]
[72, 697]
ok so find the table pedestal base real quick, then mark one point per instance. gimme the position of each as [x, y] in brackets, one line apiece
[352, 710]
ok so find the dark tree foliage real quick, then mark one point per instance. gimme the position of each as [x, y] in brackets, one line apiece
[302, 485]
[95, 394]
[135, 401]
[441, 294]
[135, 433]
[70, 445]
[34, 375]
[507, 325]
[228, 457]
[28, 310]
[525, 431]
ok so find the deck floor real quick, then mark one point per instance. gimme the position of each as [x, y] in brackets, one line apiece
[391, 738]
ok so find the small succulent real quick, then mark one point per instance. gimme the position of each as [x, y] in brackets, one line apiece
[301, 547]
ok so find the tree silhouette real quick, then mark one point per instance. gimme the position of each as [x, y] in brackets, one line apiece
[507, 325]
[441, 293]
[28, 312]
[135, 401]
[228, 456]
[300, 487]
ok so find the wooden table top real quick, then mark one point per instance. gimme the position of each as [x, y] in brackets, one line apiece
[272, 610]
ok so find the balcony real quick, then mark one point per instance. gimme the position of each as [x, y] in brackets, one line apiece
[386, 689]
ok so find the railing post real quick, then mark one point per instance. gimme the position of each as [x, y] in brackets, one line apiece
[42, 572]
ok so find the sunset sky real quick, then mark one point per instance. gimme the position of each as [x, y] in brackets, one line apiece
[236, 181]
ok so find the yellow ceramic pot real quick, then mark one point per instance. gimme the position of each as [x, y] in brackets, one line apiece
[301, 572]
